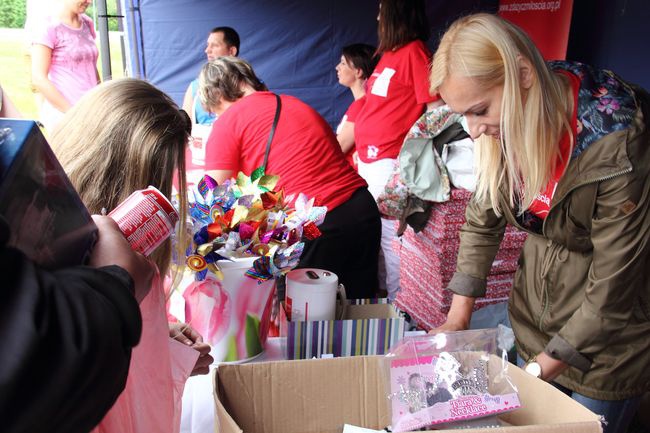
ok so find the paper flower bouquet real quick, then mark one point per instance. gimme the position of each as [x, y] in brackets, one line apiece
[244, 234]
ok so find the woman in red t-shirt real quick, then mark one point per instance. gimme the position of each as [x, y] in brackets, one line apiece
[398, 94]
[357, 63]
[305, 155]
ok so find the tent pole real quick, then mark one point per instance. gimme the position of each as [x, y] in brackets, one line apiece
[104, 46]
[134, 50]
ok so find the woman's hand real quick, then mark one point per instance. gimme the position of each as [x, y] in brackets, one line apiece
[449, 326]
[459, 316]
[41, 60]
[551, 367]
[187, 335]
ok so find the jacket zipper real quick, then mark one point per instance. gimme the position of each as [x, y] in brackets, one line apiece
[545, 296]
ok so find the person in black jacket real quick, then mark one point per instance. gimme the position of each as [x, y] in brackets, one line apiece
[66, 335]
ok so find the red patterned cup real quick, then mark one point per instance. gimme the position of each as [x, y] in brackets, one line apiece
[146, 218]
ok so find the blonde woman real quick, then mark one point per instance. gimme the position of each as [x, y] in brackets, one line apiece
[123, 136]
[564, 154]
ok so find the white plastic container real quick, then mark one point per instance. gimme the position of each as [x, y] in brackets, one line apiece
[311, 294]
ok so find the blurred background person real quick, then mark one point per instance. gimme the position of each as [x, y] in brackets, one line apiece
[357, 63]
[64, 59]
[305, 155]
[397, 95]
[222, 41]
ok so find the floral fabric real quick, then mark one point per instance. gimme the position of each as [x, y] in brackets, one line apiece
[393, 200]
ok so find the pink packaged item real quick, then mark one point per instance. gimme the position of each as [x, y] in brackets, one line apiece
[448, 378]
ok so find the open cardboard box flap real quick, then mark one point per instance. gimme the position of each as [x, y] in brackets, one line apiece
[369, 311]
[321, 395]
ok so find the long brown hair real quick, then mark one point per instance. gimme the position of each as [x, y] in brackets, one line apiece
[122, 136]
[401, 22]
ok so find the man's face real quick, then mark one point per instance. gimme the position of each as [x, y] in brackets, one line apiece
[217, 47]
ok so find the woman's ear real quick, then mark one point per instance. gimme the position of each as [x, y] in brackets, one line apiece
[526, 72]
[358, 73]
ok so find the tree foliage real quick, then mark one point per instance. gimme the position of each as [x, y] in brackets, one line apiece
[111, 9]
[12, 13]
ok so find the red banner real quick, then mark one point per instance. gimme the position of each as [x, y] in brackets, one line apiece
[546, 22]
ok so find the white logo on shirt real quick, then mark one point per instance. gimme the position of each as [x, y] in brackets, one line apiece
[380, 86]
[373, 151]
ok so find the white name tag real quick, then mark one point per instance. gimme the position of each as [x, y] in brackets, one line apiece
[380, 86]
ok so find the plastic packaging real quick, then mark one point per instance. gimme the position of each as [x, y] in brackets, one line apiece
[447, 378]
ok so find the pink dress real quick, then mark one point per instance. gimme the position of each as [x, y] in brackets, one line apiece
[73, 67]
[151, 401]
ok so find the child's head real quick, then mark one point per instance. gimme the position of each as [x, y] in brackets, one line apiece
[122, 136]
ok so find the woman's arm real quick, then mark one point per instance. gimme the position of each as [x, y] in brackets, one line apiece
[480, 238]
[7, 108]
[41, 60]
[220, 175]
[459, 316]
[188, 102]
[346, 136]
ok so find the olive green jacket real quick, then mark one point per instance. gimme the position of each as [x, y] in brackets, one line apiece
[582, 289]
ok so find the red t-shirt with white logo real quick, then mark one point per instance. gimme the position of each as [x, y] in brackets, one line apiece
[304, 152]
[542, 203]
[398, 91]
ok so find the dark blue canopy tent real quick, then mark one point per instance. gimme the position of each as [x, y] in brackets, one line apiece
[293, 45]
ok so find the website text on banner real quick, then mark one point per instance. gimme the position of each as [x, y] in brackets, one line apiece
[546, 22]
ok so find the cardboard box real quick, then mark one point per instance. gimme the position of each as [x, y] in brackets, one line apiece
[322, 395]
[48, 221]
[365, 329]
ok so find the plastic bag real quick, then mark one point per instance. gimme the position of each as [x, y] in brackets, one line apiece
[448, 377]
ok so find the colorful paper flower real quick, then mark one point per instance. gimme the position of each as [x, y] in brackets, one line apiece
[246, 217]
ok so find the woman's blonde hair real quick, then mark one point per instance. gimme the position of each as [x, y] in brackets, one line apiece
[487, 49]
[122, 136]
[224, 78]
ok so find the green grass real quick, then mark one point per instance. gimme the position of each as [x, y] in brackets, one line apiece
[14, 72]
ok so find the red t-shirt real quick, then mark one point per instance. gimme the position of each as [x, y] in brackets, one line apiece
[304, 152]
[398, 91]
[354, 109]
[542, 203]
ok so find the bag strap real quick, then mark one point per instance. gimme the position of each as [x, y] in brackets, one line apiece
[272, 133]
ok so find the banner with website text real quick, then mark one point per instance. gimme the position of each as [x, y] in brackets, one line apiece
[546, 22]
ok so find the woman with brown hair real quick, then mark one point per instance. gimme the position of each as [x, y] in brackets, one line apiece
[123, 136]
[356, 65]
[397, 95]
